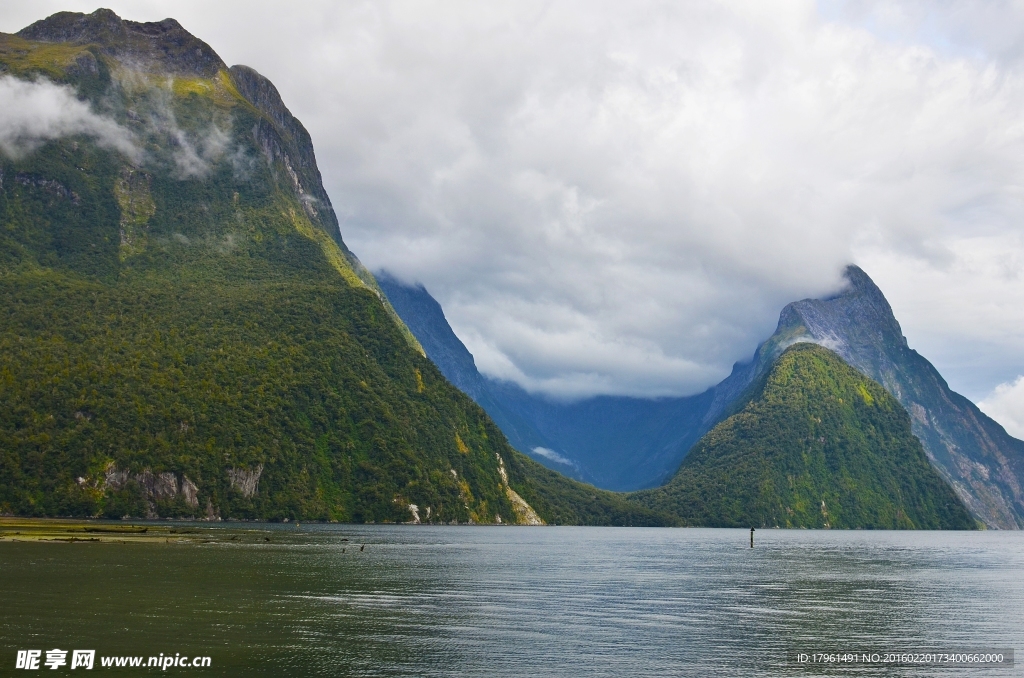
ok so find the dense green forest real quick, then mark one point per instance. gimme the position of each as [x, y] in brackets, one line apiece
[812, 444]
[187, 335]
[183, 333]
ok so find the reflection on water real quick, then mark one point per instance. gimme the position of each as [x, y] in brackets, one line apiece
[490, 601]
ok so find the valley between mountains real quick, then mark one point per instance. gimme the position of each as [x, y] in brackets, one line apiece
[631, 444]
[185, 334]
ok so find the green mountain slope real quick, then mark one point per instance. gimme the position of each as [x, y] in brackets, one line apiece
[972, 452]
[184, 333]
[812, 444]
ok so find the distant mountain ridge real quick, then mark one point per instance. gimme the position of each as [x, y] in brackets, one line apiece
[618, 443]
[628, 444]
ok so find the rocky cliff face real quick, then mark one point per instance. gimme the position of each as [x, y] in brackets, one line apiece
[283, 139]
[983, 463]
[286, 143]
[162, 45]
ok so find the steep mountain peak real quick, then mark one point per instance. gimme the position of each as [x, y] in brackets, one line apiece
[860, 294]
[165, 48]
[162, 46]
[856, 319]
[858, 282]
[193, 114]
[972, 452]
[975, 455]
[288, 142]
[856, 322]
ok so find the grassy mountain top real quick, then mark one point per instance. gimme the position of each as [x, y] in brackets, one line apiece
[812, 444]
[184, 334]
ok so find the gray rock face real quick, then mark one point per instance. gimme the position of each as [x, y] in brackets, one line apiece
[157, 486]
[246, 481]
[162, 46]
[284, 139]
[983, 463]
[287, 145]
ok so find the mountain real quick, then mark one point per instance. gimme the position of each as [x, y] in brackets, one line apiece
[183, 332]
[618, 443]
[512, 408]
[633, 443]
[983, 463]
[813, 443]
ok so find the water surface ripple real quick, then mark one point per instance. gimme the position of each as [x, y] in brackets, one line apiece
[486, 601]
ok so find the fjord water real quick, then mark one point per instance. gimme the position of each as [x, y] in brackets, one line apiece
[488, 601]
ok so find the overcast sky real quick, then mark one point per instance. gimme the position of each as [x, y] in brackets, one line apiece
[621, 197]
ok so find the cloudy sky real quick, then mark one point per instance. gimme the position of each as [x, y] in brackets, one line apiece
[620, 197]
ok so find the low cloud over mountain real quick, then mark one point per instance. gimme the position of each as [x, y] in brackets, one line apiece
[620, 198]
[34, 112]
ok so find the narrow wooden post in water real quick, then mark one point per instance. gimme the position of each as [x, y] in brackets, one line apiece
[751, 537]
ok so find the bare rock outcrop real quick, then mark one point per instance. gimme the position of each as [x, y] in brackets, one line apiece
[157, 486]
[246, 481]
[525, 515]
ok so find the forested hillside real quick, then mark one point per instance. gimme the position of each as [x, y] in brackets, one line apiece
[812, 444]
[183, 332]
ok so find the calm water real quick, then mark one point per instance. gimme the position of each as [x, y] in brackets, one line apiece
[486, 601]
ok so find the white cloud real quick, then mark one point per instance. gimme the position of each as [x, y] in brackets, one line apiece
[1006, 405]
[553, 456]
[620, 197]
[193, 158]
[194, 152]
[33, 112]
[622, 200]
